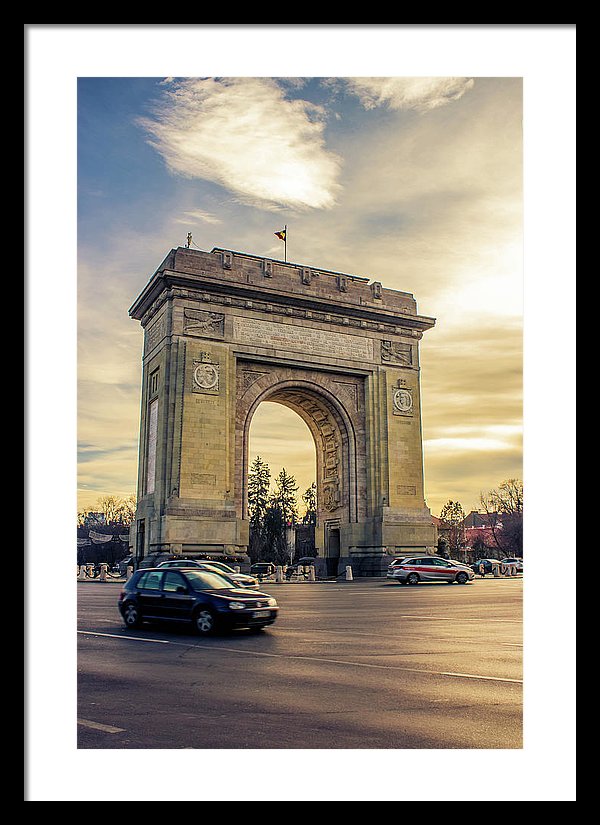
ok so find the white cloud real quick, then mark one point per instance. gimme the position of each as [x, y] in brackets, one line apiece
[418, 93]
[492, 438]
[243, 134]
[198, 215]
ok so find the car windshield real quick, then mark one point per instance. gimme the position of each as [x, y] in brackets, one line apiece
[207, 580]
[220, 566]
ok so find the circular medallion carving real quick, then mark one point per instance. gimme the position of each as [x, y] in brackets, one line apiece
[206, 376]
[403, 400]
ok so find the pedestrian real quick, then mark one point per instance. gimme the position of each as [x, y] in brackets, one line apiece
[482, 569]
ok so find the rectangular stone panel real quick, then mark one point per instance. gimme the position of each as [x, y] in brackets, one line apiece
[303, 339]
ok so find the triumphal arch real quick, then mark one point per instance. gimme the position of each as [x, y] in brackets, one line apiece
[225, 331]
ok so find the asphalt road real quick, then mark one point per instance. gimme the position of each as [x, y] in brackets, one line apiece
[362, 664]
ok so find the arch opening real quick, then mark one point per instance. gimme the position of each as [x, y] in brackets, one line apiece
[283, 440]
[335, 444]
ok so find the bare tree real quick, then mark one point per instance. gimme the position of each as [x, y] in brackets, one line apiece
[504, 508]
[118, 511]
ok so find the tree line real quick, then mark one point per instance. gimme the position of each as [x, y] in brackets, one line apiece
[109, 511]
[501, 533]
[274, 513]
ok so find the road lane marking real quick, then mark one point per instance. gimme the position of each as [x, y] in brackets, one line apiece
[97, 726]
[477, 676]
[350, 632]
[319, 660]
[459, 619]
[119, 636]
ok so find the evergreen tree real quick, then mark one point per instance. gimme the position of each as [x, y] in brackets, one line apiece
[286, 488]
[271, 515]
[310, 500]
[259, 482]
[275, 547]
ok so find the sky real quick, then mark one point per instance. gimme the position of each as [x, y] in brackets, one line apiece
[418, 185]
[415, 182]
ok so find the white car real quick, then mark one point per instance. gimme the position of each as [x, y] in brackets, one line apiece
[393, 565]
[416, 569]
[514, 560]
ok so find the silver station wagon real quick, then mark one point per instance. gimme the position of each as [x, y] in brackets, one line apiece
[415, 569]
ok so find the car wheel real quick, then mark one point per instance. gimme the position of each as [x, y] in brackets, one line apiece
[205, 622]
[131, 615]
[412, 578]
[462, 578]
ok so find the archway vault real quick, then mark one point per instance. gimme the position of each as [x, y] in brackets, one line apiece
[332, 406]
[225, 331]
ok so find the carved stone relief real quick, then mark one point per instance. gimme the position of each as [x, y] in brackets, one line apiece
[205, 375]
[249, 377]
[330, 446]
[331, 495]
[199, 322]
[154, 333]
[403, 402]
[348, 393]
[393, 352]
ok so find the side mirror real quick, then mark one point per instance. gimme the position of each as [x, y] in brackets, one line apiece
[181, 589]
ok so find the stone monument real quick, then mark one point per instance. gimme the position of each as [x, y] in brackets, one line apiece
[225, 331]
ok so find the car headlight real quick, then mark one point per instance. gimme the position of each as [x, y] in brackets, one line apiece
[272, 603]
[237, 605]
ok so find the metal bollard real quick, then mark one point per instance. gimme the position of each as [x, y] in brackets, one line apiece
[90, 571]
[81, 573]
[279, 574]
[348, 573]
[237, 568]
[496, 570]
[311, 574]
[103, 571]
[129, 572]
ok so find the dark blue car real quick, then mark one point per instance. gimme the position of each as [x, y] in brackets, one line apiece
[203, 599]
[487, 564]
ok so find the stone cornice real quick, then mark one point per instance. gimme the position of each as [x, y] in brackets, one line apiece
[204, 286]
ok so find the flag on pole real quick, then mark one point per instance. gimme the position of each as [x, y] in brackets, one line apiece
[282, 235]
